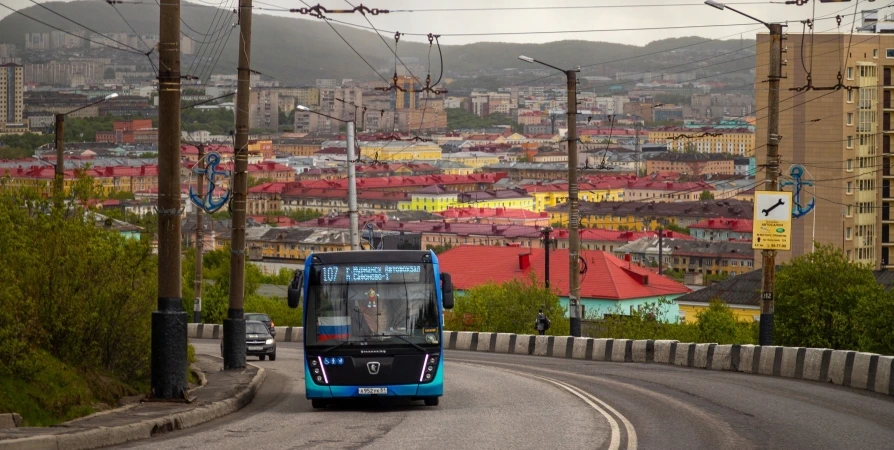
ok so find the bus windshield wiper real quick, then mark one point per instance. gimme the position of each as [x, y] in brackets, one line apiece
[329, 349]
[408, 342]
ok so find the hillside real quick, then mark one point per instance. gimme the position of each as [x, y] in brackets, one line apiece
[298, 50]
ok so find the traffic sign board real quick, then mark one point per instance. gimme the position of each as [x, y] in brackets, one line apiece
[772, 221]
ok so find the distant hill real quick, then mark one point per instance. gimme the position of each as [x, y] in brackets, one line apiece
[298, 50]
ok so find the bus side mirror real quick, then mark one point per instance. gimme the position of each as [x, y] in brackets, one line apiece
[295, 289]
[447, 290]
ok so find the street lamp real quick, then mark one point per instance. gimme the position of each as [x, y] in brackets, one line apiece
[573, 215]
[768, 256]
[352, 176]
[60, 141]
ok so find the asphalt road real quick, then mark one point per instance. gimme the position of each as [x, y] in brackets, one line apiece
[510, 401]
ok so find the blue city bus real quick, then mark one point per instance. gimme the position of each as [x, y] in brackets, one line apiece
[373, 324]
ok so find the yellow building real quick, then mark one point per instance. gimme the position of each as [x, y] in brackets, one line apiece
[475, 160]
[400, 151]
[433, 198]
[735, 141]
[288, 243]
[550, 195]
[743, 313]
[436, 198]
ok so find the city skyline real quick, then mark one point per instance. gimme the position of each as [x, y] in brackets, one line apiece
[644, 20]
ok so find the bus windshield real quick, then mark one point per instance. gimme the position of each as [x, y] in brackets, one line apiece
[376, 304]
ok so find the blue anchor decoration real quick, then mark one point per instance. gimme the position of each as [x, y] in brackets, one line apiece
[797, 173]
[205, 200]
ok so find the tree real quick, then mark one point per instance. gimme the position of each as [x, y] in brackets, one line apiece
[706, 195]
[717, 323]
[825, 301]
[438, 249]
[509, 307]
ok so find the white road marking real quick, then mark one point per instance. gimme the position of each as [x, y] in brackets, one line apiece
[593, 401]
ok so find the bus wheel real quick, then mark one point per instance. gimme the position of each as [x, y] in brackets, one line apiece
[432, 401]
[317, 403]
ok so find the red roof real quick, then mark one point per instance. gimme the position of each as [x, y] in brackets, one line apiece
[471, 212]
[607, 276]
[407, 182]
[735, 225]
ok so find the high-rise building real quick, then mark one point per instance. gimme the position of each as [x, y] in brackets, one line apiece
[842, 137]
[37, 41]
[12, 102]
[263, 109]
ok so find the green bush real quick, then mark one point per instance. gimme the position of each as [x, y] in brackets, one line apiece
[509, 307]
[826, 301]
[717, 324]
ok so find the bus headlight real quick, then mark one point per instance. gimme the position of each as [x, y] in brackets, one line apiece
[318, 371]
[429, 368]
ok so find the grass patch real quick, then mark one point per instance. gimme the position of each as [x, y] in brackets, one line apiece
[56, 392]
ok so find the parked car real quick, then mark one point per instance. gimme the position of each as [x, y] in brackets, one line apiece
[262, 318]
[258, 341]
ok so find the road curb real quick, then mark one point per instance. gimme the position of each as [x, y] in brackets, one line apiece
[103, 437]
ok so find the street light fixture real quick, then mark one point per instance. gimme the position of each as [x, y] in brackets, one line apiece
[352, 176]
[60, 142]
[573, 214]
[768, 256]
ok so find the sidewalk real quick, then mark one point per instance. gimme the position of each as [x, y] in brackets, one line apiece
[223, 393]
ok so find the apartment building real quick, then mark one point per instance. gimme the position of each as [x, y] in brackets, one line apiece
[842, 137]
[738, 142]
[12, 102]
[263, 109]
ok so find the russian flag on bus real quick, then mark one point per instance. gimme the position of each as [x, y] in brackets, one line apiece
[333, 328]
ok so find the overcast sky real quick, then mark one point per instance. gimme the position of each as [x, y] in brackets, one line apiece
[604, 15]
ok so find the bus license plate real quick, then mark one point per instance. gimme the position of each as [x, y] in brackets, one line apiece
[255, 348]
[372, 390]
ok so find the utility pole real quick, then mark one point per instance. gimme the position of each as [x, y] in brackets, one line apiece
[60, 162]
[200, 244]
[768, 282]
[547, 244]
[660, 251]
[638, 147]
[234, 324]
[573, 214]
[168, 360]
[352, 190]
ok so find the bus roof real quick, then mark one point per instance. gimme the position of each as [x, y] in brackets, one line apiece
[373, 256]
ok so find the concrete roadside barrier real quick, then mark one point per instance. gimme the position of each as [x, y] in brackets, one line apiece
[505, 343]
[622, 350]
[486, 342]
[723, 357]
[792, 362]
[467, 340]
[582, 348]
[602, 349]
[543, 345]
[840, 367]
[816, 364]
[664, 351]
[643, 351]
[524, 344]
[884, 375]
[770, 360]
[685, 355]
[704, 353]
[562, 346]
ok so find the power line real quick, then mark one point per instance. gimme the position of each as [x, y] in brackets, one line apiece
[535, 8]
[216, 35]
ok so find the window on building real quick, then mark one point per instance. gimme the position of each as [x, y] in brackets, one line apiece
[850, 119]
[850, 73]
[875, 53]
[850, 142]
[850, 96]
[850, 186]
[849, 165]
[847, 233]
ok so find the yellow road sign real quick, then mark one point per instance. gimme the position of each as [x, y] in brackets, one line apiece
[772, 228]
